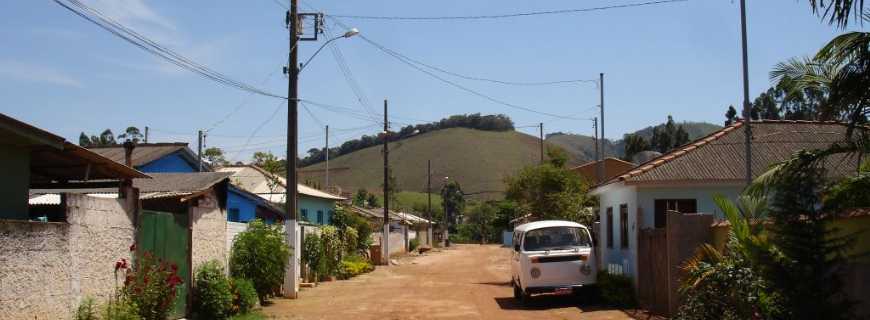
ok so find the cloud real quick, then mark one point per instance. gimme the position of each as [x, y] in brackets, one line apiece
[22, 71]
[136, 14]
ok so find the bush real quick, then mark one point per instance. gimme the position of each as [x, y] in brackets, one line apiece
[212, 295]
[353, 266]
[86, 310]
[616, 290]
[332, 244]
[244, 295]
[413, 244]
[312, 253]
[121, 309]
[151, 286]
[260, 255]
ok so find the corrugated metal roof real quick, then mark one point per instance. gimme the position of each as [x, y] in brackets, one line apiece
[180, 182]
[145, 153]
[254, 179]
[719, 157]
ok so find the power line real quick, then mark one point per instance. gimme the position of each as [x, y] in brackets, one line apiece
[311, 114]
[348, 75]
[263, 124]
[96, 17]
[240, 105]
[502, 16]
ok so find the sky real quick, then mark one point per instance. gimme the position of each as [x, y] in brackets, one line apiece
[65, 75]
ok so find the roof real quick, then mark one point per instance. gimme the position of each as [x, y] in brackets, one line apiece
[547, 224]
[378, 213]
[254, 179]
[52, 158]
[719, 156]
[180, 182]
[145, 153]
[612, 168]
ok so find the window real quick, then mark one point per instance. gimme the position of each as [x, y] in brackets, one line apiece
[233, 214]
[556, 238]
[662, 206]
[304, 214]
[610, 227]
[623, 226]
[320, 216]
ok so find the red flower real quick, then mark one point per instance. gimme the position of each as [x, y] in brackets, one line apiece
[174, 268]
[132, 247]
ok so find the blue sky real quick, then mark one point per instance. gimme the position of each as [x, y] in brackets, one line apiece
[66, 75]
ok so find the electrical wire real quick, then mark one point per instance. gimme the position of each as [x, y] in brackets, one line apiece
[311, 114]
[502, 16]
[240, 105]
[263, 124]
[349, 78]
[106, 23]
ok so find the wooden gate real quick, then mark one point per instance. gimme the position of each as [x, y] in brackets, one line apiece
[652, 270]
[166, 236]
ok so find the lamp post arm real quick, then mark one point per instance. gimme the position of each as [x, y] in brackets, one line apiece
[318, 51]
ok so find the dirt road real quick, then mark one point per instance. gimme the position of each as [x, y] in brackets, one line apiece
[464, 282]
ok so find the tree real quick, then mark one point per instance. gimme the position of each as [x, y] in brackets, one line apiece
[215, 156]
[482, 218]
[681, 137]
[634, 144]
[260, 255]
[453, 201]
[132, 134]
[838, 11]
[360, 198]
[557, 156]
[105, 139]
[731, 116]
[549, 192]
[274, 168]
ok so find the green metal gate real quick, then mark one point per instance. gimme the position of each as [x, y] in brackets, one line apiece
[166, 236]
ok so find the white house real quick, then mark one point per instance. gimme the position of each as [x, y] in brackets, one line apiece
[687, 178]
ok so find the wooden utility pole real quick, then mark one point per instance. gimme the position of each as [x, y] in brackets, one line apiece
[601, 138]
[385, 242]
[326, 150]
[291, 277]
[747, 113]
[146, 134]
[429, 204]
[595, 128]
[541, 127]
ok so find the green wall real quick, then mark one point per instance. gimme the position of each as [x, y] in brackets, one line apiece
[15, 182]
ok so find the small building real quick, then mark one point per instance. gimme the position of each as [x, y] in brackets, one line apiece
[156, 157]
[315, 206]
[612, 168]
[403, 227]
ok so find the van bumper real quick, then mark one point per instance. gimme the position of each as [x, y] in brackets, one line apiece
[553, 289]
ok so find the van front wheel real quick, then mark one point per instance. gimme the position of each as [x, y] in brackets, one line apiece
[519, 295]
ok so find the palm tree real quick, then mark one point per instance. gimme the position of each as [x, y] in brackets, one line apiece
[838, 11]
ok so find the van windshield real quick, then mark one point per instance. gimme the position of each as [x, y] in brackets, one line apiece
[556, 238]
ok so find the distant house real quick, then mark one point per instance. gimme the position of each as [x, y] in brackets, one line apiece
[156, 157]
[686, 179]
[403, 227]
[612, 168]
[315, 206]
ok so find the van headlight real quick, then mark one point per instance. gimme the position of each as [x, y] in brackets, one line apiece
[585, 269]
[535, 272]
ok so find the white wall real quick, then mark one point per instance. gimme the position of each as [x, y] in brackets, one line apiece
[702, 194]
[613, 196]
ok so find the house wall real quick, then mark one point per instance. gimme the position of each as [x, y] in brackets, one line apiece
[247, 207]
[15, 170]
[311, 205]
[208, 232]
[170, 163]
[703, 195]
[617, 259]
[48, 267]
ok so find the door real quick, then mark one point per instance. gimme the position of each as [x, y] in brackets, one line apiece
[515, 257]
[166, 236]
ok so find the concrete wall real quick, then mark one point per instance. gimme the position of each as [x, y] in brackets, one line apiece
[618, 258]
[47, 268]
[15, 170]
[209, 232]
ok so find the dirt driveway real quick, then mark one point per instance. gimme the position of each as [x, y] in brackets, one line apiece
[464, 282]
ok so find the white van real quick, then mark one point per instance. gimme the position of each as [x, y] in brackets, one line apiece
[551, 257]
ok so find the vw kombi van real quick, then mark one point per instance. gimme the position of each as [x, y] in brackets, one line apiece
[551, 257]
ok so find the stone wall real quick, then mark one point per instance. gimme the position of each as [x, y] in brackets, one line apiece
[209, 232]
[47, 268]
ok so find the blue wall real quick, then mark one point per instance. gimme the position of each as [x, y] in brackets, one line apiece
[239, 207]
[310, 206]
[170, 163]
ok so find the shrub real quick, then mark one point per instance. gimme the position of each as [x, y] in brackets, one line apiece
[616, 290]
[212, 297]
[351, 239]
[121, 309]
[260, 255]
[332, 245]
[312, 252]
[151, 286]
[244, 295]
[86, 310]
[413, 244]
[353, 266]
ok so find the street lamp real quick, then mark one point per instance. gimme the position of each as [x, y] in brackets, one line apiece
[350, 33]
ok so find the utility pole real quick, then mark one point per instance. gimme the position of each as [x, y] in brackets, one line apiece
[541, 127]
[747, 113]
[146, 134]
[291, 276]
[601, 138]
[429, 205]
[385, 242]
[327, 158]
[595, 128]
[199, 149]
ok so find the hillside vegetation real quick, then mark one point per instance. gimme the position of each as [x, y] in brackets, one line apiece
[478, 160]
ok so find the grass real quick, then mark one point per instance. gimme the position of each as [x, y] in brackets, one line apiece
[253, 315]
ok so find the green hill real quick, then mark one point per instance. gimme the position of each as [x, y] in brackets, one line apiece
[479, 160]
